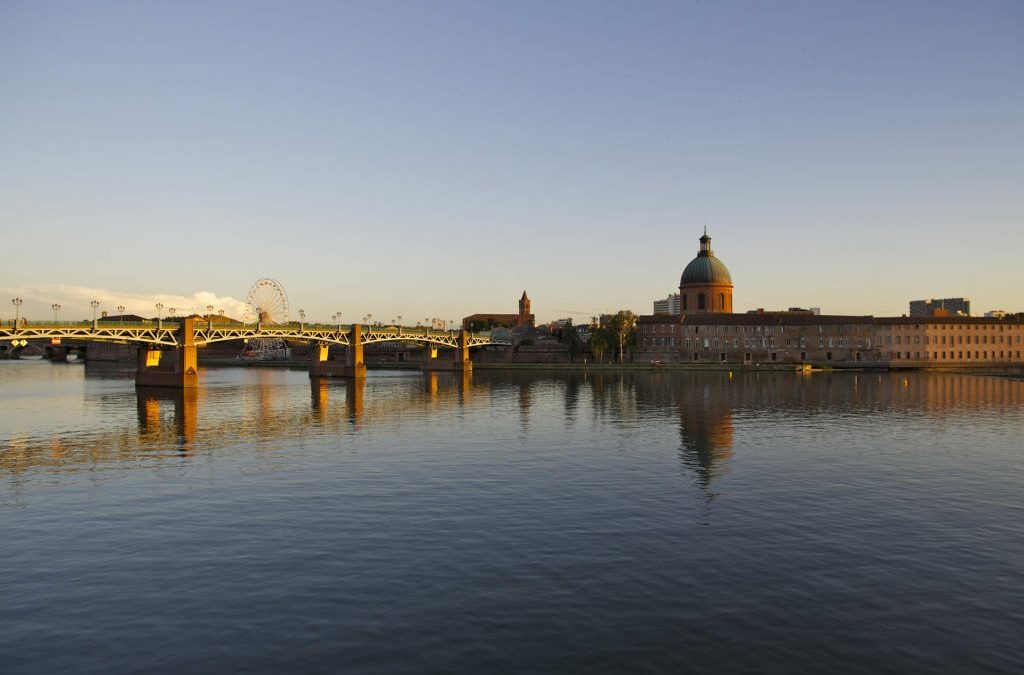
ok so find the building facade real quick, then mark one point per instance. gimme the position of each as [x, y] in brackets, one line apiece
[669, 305]
[830, 340]
[710, 332]
[524, 319]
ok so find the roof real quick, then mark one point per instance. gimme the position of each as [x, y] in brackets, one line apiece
[705, 269]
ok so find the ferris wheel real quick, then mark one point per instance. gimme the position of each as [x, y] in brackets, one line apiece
[268, 301]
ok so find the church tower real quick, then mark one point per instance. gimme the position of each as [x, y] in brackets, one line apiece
[524, 311]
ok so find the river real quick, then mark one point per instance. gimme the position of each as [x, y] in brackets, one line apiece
[508, 522]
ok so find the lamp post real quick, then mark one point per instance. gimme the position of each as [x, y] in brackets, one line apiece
[337, 317]
[94, 304]
[17, 310]
[302, 318]
[56, 309]
[171, 311]
[209, 316]
[120, 312]
[159, 321]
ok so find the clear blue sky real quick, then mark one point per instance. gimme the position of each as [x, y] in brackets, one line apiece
[435, 159]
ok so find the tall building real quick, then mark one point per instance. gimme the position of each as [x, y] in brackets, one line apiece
[669, 305]
[941, 307]
[706, 285]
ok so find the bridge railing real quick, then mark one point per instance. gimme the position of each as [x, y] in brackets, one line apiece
[23, 323]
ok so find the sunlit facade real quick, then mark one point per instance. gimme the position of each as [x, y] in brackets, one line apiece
[708, 332]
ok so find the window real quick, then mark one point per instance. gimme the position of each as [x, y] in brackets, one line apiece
[684, 302]
[700, 301]
[721, 301]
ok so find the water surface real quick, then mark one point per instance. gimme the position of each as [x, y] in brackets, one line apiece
[509, 522]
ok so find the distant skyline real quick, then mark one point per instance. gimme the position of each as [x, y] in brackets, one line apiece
[436, 159]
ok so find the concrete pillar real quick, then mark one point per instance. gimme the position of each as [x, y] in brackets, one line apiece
[354, 354]
[460, 362]
[183, 373]
[462, 352]
[352, 366]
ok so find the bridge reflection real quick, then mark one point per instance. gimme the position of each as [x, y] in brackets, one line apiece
[697, 412]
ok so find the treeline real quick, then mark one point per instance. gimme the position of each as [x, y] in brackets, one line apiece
[610, 336]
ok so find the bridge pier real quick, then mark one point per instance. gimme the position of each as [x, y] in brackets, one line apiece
[182, 374]
[460, 363]
[352, 366]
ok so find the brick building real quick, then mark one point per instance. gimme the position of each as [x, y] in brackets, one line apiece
[713, 335]
[524, 319]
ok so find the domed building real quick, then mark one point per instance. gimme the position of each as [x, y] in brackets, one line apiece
[706, 285]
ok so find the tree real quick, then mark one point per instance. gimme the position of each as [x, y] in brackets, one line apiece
[620, 327]
[598, 343]
[571, 339]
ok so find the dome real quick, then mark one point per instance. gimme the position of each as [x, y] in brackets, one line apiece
[705, 268]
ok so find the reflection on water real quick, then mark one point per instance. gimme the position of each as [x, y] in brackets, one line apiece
[258, 403]
[502, 521]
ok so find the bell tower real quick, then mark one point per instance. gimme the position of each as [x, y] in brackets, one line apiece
[524, 310]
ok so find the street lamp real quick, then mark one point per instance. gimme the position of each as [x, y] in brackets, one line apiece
[120, 311]
[94, 304]
[56, 308]
[159, 309]
[209, 316]
[171, 311]
[338, 317]
[17, 310]
[302, 318]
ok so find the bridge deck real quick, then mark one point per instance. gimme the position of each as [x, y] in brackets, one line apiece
[168, 333]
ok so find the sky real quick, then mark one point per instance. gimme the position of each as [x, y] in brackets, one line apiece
[435, 159]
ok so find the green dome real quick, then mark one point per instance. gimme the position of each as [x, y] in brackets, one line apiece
[705, 268]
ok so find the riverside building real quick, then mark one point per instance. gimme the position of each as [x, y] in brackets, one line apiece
[707, 331]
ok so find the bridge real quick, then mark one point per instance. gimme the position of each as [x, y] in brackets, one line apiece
[185, 335]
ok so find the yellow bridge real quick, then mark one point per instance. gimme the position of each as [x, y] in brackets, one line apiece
[185, 335]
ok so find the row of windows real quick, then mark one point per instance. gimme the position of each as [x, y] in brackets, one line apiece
[957, 326]
[702, 301]
[822, 330]
[956, 356]
[941, 339]
[766, 343]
